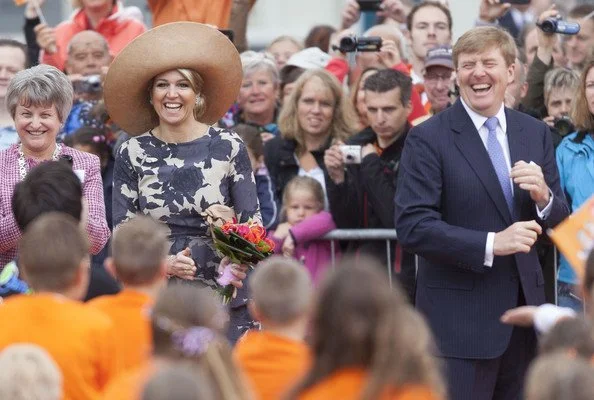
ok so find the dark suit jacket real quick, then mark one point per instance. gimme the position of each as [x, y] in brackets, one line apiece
[448, 200]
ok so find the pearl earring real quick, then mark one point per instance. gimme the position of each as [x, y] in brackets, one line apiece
[150, 100]
[197, 100]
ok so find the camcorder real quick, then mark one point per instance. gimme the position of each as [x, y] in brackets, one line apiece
[557, 25]
[563, 125]
[350, 44]
[89, 84]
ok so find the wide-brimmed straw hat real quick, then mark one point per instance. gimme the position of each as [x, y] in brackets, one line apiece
[166, 47]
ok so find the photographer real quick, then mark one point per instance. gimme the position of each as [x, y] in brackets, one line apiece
[86, 64]
[560, 86]
[361, 193]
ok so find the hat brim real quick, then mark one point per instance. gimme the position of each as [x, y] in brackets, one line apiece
[440, 63]
[171, 46]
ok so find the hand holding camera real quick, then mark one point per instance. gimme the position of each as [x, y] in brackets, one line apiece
[334, 162]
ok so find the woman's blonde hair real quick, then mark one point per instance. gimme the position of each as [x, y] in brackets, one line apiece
[355, 89]
[303, 183]
[581, 115]
[343, 119]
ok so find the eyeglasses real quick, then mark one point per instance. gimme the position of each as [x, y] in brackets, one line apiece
[438, 77]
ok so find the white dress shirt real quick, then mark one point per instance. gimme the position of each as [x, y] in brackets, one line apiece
[479, 123]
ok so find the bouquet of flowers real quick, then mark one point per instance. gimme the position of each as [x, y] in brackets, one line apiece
[244, 243]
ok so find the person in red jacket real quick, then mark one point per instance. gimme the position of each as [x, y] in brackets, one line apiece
[109, 18]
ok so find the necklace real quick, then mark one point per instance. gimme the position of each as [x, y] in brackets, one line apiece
[23, 163]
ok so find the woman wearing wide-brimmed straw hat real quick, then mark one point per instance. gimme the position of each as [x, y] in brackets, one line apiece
[165, 89]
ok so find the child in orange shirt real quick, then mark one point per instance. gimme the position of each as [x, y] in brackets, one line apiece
[274, 358]
[187, 323]
[54, 257]
[368, 343]
[139, 251]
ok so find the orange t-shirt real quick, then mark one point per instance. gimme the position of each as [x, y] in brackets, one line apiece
[203, 11]
[130, 312]
[79, 339]
[130, 384]
[348, 383]
[271, 363]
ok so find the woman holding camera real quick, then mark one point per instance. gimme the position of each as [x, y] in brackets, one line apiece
[316, 114]
[39, 100]
[575, 158]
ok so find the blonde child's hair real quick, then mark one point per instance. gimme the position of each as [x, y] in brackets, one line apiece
[303, 183]
[187, 323]
[559, 376]
[281, 290]
[29, 373]
[139, 247]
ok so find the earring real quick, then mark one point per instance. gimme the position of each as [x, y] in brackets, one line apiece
[150, 101]
[197, 100]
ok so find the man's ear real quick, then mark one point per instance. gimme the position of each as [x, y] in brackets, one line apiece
[409, 107]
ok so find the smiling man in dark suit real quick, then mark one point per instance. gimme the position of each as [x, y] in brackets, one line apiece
[478, 183]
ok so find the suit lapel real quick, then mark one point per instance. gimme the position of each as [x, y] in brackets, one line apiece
[471, 146]
[518, 150]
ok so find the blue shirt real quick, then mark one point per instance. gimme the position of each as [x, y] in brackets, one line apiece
[576, 170]
[8, 137]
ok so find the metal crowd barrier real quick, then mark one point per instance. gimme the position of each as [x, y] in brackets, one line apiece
[387, 235]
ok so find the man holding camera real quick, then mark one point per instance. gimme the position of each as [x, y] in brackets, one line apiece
[87, 63]
[363, 173]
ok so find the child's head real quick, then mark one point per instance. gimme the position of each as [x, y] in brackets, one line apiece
[559, 376]
[90, 140]
[50, 186]
[54, 255]
[177, 382]
[302, 198]
[370, 335]
[29, 373]
[139, 250]
[281, 292]
[572, 335]
[187, 322]
[253, 141]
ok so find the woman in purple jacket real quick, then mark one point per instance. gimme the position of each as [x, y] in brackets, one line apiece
[305, 223]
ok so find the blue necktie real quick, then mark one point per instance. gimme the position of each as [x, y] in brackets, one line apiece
[498, 160]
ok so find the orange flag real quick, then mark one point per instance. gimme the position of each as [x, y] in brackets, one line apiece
[575, 236]
[20, 2]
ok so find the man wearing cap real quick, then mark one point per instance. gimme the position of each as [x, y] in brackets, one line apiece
[437, 75]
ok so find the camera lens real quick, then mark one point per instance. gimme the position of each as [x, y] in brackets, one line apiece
[549, 25]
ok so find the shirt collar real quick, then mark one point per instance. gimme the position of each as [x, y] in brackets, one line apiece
[479, 120]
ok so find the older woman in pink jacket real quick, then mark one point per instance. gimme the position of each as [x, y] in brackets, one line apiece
[39, 99]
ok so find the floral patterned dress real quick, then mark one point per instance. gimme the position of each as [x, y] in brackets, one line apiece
[176, 182]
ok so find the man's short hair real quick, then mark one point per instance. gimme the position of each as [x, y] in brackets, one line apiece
[51, 252]
[281, 289]
[388, 79]
[570, 334]
[29, 372]
[139, 247]
[560, 78]
[482, 38]
[5, 42]
[96, 35]
[559, 376]
[580, 11]
[50, 186]
[428, 3]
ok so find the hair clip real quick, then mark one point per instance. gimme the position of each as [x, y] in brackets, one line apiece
[98, 139]
[193, 341]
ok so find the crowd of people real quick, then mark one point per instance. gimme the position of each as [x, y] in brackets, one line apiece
[121, 147]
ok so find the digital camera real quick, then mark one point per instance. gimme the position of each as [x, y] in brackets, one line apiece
[351, 154]
[89, 84]
[563, 125]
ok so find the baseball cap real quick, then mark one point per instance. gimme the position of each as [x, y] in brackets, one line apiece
[309, 58]
[440, 56]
